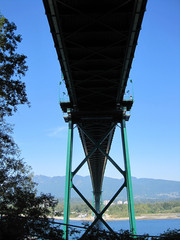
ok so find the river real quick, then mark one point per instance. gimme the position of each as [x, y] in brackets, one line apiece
[152, 227]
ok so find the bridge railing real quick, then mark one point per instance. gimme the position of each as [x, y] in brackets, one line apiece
[129, 92]
[63, 93]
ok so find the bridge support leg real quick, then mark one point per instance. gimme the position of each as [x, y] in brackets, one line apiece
[96, 209]
[68, 183]
[128, 178]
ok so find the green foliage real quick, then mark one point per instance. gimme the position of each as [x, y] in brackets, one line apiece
[12, 68]
[169, 235]
[126, 235]
[145, 208]
[158, 207]
[59, 209]
[80, 208]
[96, 233]
[23, 215]
[121, 211]
[118, 210]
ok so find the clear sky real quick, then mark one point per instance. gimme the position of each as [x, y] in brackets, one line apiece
[154, 126]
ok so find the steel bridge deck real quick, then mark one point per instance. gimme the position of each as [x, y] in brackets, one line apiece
[95, 42]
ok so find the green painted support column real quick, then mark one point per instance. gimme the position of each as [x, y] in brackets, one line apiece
[128, 178]
[68, 184]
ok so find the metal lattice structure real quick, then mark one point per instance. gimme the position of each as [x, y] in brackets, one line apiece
[95, 42]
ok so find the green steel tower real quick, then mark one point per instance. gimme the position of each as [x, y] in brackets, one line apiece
[95, 43]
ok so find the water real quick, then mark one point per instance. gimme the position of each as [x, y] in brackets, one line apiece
[152, 227]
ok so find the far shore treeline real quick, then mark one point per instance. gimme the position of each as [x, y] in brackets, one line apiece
[80, 209]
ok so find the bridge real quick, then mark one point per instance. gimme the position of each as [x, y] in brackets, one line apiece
[95, 43]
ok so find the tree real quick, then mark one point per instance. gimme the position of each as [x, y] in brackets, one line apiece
[12, 68]
[23, 214]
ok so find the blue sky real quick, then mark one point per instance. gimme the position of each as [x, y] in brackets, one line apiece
[154, 126]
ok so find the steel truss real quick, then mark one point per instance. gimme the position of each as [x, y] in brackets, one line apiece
[96, 209]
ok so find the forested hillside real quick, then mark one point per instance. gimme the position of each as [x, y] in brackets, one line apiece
[144, 189]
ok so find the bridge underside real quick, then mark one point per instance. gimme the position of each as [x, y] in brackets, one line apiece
[95, 42]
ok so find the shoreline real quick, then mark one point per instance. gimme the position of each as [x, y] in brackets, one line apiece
[159, 216]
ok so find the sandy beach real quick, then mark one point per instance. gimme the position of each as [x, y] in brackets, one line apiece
[142, 217]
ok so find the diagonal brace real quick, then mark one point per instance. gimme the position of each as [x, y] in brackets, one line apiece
[101, 150]
[94, 149]
[112, 161]
[102, 139]
[98, 215]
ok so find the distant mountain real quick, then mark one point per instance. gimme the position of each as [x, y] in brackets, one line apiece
[143, 188]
